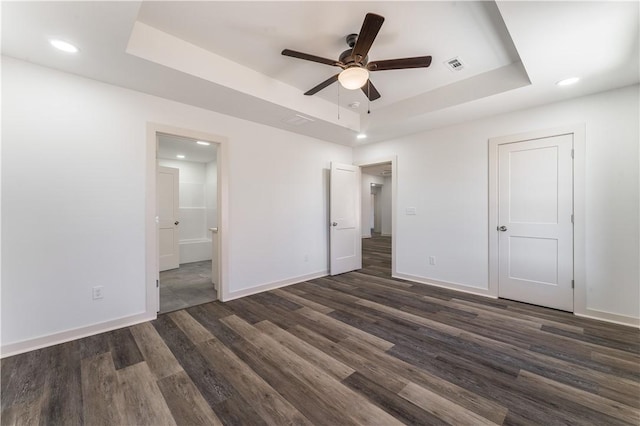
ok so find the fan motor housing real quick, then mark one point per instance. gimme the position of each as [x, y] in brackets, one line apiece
[346, 58]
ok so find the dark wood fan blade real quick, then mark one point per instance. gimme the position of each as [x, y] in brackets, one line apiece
[370, 91]
[370, 27]
[322, 85]
[312, 58]
[400, 64]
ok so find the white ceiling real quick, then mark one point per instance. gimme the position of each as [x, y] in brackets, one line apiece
[382, 169]
[225, 56]
[169, 147]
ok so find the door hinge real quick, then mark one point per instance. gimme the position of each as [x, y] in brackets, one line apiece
[157, 283]
[573, 283]
[571, 218]
[572, 153]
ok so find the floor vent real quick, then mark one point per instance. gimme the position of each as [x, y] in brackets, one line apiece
[297, 120]
[455, 64]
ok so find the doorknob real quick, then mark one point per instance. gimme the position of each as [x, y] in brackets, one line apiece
[334, 224]
[502, 228]
[176, 223]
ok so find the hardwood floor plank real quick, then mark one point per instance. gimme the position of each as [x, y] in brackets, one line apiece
[400, 408]
[23, 378]
[195, 331]
[335, 393]
[471, 401]
[607, 342]
[93, 345]
[23, 414]
[359, 363]
[318, 358]
[213, 387]
[266, 402]
[616, 362]
[441, 407]
[144, 403]
[507, 315]
[344, 329]
[186, 403]
[235, 411]
[203, 314]
[63, 402]
[411, 317]
[103, 400]
[273, 299]
[155, 351]
[590, 400]
[318, 411]
[302, 301]
[124, 349]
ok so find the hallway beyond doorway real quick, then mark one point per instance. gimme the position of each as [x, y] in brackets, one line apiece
[376, 255]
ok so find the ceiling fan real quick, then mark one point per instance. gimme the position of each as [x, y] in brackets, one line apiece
[355, 62]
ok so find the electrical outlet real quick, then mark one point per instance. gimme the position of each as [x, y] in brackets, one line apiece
[306, 257]
[432, 260]
[97, 292]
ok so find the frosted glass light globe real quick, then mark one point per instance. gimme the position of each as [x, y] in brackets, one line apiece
[353, 78]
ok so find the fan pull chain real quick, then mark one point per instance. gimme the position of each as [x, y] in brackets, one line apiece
[338, 102]
[368, 96]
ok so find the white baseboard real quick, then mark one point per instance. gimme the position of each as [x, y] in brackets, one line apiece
[445, 284]
[610, 317]
[273, 285]
[16, 348]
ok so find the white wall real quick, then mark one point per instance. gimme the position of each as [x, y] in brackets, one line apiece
[444, 173]
[73, 200]
[211, 191]
[385, 206]
[365, 209]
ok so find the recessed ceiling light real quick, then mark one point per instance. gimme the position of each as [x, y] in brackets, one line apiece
[179, 156]
[361, 136]
[203, 143]
[568, 81]
[63, 45]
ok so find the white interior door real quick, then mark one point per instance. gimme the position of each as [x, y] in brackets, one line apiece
[535, 208]
[345, 236]
[168, 203]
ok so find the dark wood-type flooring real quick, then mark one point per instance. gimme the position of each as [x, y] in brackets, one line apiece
[359, 348]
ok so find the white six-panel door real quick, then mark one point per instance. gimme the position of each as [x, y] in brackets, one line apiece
[168, 209]
[344, 206]
[535, 207]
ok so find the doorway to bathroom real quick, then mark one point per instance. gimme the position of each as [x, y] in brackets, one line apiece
[187, 194]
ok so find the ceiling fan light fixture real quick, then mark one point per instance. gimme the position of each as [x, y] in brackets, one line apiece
[353, 78]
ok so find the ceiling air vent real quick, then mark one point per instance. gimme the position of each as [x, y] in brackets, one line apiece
[455, 64]
[297, 120]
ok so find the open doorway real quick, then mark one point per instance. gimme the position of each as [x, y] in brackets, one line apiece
[187, 187]
[377, 218]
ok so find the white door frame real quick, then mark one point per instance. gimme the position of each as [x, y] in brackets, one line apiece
[394, 191]
[579, 266]
[151, 238]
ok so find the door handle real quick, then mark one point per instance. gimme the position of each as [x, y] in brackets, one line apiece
[334, 224]
[176, 223]
[502, 228]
